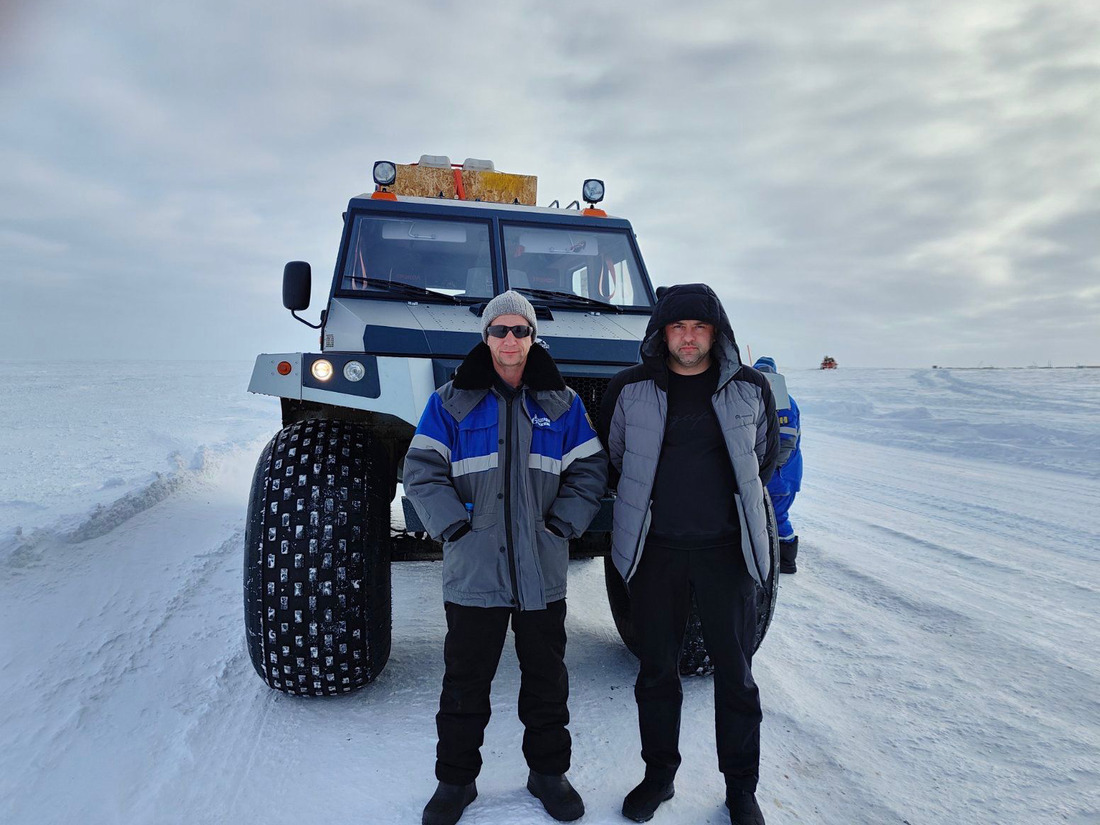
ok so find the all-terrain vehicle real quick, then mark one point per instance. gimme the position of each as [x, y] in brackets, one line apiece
[419, 258]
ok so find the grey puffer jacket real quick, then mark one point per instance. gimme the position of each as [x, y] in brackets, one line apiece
[513, 469]
[632, 425]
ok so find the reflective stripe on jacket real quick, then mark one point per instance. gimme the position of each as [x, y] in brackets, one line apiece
[788, 476]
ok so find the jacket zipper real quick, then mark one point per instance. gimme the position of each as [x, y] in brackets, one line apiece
[647, 520]
[508, 503]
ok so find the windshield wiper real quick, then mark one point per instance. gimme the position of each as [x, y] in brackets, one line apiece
[406, 289]
[551, 295]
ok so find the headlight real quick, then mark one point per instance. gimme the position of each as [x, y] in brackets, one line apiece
[321, 369]
[385, 172]
[593, 190]
[354, 371]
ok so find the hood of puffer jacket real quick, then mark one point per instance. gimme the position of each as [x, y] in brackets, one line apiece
[765, 363]
[689, 302]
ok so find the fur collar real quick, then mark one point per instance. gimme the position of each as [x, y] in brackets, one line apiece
[476, 371]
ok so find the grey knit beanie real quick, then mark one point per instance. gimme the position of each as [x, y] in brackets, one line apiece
[507, 303]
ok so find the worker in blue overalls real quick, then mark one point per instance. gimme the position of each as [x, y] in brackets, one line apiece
[787, 479]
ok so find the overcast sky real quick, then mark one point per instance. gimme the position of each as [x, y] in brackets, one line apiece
[892, 184]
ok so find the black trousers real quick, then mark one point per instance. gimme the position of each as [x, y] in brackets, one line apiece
[660, 595]
[471, 652]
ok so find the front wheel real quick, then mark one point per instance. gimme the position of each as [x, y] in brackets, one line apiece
[317, 559]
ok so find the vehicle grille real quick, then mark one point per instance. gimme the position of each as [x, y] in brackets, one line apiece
[591, 391]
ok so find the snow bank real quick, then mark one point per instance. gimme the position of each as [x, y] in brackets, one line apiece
[84, 444]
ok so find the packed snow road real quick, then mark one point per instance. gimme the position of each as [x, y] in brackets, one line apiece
[934, 659]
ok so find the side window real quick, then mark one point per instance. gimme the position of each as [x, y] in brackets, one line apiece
[580, 282]
[610, 278]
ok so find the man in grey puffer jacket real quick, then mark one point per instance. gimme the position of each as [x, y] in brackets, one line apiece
[693, 437]
[505, 468]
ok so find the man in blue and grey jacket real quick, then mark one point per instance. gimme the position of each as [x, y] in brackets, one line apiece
[787, 480]
[505, 468]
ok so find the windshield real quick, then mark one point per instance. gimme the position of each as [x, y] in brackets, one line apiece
[446, 257]
[596, 264]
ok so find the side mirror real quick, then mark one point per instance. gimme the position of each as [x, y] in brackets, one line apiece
[297, 281]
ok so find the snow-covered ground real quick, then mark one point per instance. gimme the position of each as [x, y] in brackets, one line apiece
[934, 660]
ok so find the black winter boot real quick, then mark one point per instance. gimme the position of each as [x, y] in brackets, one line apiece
[787, 552]
[447, 803]
[642, 802]
[743, 808]
[560, 798]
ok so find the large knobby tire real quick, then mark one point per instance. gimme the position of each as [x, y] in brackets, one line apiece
[317, 559]
[694, 659]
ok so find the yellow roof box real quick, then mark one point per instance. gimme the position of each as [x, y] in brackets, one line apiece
[475, 180]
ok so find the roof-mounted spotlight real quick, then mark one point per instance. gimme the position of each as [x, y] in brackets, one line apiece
[385, 172]
[593, 191]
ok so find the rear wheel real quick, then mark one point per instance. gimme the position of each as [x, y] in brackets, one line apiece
[317, 559]
[768, 595]
[693, 655]
[619, 602]
[694, 658]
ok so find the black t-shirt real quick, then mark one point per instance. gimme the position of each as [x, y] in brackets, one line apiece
[693, 504]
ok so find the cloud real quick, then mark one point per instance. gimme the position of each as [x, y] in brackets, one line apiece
[880, 181]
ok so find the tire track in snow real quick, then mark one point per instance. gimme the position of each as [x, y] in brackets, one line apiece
[215, 748]
[946, 551]
[956, 652]
[952, 493]
[241, 738]
[134, 646]
[952, 382]
[121, 666]
[979, 704]
[813, 769]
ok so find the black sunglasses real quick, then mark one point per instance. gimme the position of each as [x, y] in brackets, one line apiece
[501, 331]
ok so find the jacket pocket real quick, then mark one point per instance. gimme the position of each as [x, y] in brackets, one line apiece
[476, 450]
[474, 564]
[476, 475]
[553, 558]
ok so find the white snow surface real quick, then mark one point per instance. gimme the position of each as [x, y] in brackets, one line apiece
[934, 660]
